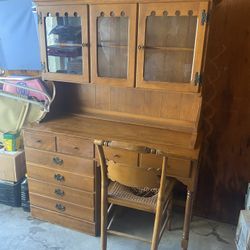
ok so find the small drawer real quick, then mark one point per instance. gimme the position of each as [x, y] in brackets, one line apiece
[175, 167]
[121, 156]
[75, 146]
[44, 141]
[58, 192]
[61, 178]
[61, 162]
[62, 207]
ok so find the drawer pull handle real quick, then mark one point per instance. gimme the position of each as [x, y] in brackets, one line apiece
[117, 156]
[60, 207]
[38, 141]
[59, 192]
[59, 177]
[57, 161]
[76, 148]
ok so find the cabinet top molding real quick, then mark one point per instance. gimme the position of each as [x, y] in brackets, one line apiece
[54, 2]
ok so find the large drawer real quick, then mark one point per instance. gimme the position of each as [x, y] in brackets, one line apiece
[39, 140]
[75, 146]
[175, 167]
[60, 161]
[62, 207]
[62, 193]
[61, 178]
[64, 220]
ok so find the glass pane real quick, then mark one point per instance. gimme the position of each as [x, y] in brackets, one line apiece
[169, 48]
[112, 47]
[64, 44]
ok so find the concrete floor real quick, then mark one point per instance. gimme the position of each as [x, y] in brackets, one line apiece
[18, 231]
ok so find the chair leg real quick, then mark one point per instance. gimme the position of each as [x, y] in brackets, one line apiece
[158, 215]
[159, 206]
[157, 226]
[104, 208]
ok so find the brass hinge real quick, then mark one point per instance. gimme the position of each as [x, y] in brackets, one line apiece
[198, 79]
[40, 18]
[204, 17]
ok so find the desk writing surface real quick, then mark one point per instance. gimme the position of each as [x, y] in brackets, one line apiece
[163, 139]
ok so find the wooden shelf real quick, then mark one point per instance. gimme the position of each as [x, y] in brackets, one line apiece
[64, 56]
[67, 45]
[170, 48]
[112, 46]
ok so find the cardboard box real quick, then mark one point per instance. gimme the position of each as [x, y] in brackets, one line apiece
[12, 165]
[242, 239]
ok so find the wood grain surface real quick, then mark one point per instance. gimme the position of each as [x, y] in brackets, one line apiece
[225, 165]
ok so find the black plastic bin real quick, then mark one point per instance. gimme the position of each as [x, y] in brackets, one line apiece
[25, 202]
[10, 193]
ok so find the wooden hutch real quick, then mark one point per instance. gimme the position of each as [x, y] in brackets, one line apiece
[126, 70]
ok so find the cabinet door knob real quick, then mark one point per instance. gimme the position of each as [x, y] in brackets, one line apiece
[57, 161]
[140, 47]
[59, 177]
[59, 192]
[60, 207]
[85, 45]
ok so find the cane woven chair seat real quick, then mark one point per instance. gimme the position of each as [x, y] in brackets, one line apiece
[120, 195]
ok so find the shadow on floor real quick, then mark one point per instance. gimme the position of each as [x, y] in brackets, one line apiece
[19, 231]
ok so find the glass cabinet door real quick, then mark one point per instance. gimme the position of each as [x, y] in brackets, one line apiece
[113, 44]
[65, 43]
[170, 44]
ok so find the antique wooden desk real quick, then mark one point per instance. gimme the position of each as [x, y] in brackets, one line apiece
[131, 72]
[53, 151]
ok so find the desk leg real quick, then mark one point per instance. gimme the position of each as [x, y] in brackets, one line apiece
[187, 219]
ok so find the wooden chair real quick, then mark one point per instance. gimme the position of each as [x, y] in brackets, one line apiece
[117, 183]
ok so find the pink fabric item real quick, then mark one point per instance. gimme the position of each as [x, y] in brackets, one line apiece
[35, 84]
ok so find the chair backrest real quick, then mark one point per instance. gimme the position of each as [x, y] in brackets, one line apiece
[130, 175]
[133, 176]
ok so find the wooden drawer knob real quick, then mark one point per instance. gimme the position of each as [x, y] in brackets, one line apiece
[59, 177]
[85, 45]
[140, 47]
[60, 207]
[57, 161]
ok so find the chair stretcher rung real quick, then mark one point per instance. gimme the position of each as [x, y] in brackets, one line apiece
[128, 236]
